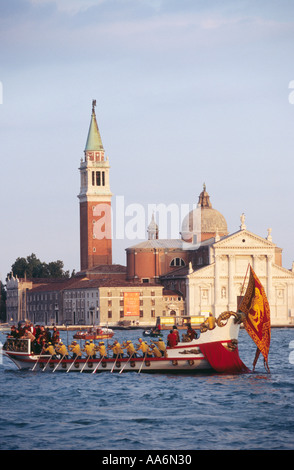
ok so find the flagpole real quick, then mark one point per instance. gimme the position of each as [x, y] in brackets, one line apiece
[243, 287]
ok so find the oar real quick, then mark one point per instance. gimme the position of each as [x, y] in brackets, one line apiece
[114, 364]
[47, 363]
[98, 364]
[58, 363]
[72, 363]
[126, 363]
[142, 364]
[38, 359]
[85, 364]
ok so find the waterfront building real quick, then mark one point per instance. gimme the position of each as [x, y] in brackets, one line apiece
[106, 302]
[16, 300]
[83, 301]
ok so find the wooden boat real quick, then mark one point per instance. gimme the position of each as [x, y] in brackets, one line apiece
[152, 333]
[214, 350]
[94, 333]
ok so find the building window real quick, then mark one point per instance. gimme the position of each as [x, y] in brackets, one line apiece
[93, 178]
[98, 178]
[109, 314]
[177, 262]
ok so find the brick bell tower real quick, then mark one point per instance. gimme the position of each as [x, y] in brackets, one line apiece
[95, 202]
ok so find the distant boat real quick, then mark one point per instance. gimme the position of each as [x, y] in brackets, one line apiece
[153, 333]
[94, 333]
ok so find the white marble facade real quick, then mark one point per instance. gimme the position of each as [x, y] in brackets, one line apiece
[216, 287]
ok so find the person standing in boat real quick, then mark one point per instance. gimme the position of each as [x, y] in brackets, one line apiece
[175, 329]
[55, 335]
[48, 335]
[32, 329]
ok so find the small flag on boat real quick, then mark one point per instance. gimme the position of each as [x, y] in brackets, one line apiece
[257, 321]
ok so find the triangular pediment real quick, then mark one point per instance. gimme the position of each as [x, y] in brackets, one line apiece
[244, 239]
[282, 273]
[205, 272]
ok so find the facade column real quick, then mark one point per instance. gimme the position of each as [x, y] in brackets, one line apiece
[190, 296]
[254, 263]
[269, 278]
[231, 294]
[216, 284]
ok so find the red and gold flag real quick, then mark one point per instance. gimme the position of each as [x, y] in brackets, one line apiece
[257, 317]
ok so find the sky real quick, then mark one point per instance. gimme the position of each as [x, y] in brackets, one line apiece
[188, 92]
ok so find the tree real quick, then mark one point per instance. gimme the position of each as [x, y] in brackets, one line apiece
[32, 267]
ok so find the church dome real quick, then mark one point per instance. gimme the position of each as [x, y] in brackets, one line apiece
[203, 222]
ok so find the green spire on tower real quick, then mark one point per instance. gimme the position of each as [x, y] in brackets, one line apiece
[94, 141]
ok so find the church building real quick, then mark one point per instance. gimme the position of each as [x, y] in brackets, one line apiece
[207, 265]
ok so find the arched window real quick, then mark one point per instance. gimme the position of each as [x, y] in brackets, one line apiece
[177, 262]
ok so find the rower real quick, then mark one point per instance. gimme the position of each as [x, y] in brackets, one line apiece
[131, 352]
[50, 349]
[62, 350]
[76, 350]
[155, 350]
[101, 349]
[89, 349]
[161, 346]
[143, 346]
[117, 350]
